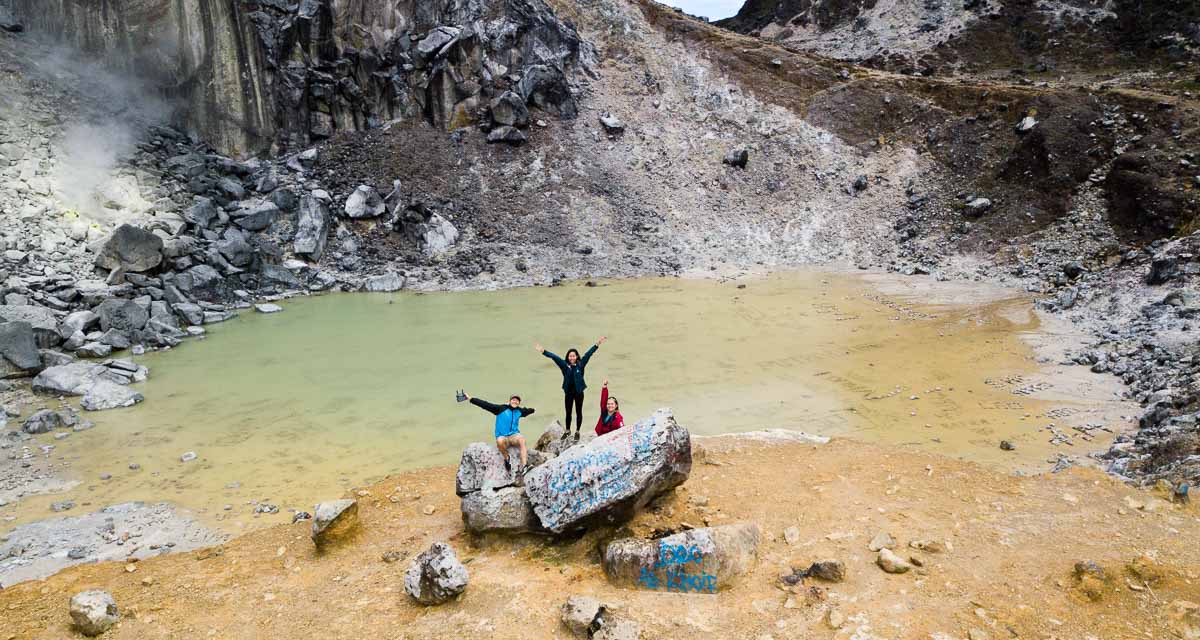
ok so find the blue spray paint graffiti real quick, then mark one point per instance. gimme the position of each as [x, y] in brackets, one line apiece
[674, 558]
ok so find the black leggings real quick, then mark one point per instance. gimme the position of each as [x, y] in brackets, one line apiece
[576, 399]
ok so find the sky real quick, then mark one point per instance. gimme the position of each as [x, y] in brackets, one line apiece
[711, 9]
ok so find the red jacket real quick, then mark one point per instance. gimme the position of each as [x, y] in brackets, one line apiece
[617, 421]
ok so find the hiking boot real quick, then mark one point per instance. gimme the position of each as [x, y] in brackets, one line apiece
[566, 434]
[577, 435]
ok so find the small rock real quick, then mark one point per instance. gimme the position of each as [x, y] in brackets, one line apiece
[188, 457]
[737, 158]
[268, 307]
[828, 570]
[892, 563]
[578, 614]
[435, 576]
[333, 522]
[93, 612]
[1007, 446]
[882, 540]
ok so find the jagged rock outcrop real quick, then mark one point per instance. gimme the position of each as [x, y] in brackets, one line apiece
[435, 576]
[262, 74]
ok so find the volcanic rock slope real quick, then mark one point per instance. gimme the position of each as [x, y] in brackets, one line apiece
[518, 142]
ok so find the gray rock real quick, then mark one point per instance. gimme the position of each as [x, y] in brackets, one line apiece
[365, 202]
[231, 188]
[188, 456]
[201, 282]
[1026, 124]
[256, 216]
[508, 109]
[19, 351]
[109, 395]
[977, 206]
[267, 307]
[696, 561]
[93, 612]
[202, 214]
[882, 540]
[130, 249]
[42, 320]
[123, 315]
[116, 338]
[78, 321]
[578, 614]
[435, 576]
[612, 124]
[436, 40]
[617, 629]
[482, 467]
[608, 479]
[439, 235]
[94, 350]
[390, 281]
[334, 522]
[191, 313]
[235, 249]
[499, 510]
[312, 228]
[509, 135]
[551, 442]
[45, 421]
[73, 379]
[737, 158]
[52, 358]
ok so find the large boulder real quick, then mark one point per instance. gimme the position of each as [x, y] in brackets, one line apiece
[508, 109]
[608, 479]
[109, 395]
[334, 522]
[482, 467]
[386, 283]
[42, 320]
[19, 355]
[365, 202]
[435, 576]
[256, 215]
[93, 612]
[202, 282]
[130, 249]
[123, 315]
[696, 561]
[74, 379]
[312, 228]
[499, 510]
[438, 236]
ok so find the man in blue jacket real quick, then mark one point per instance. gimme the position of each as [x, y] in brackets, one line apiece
[508, 423]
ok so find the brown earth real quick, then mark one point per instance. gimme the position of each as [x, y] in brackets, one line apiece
[1012, 543]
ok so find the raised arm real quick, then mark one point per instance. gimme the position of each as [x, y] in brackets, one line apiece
[526, 411]
[493, 409]
[557, 360]
[604, 399]
[588, 356]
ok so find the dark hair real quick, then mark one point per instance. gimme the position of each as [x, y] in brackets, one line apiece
[574, 351]
[514, 396]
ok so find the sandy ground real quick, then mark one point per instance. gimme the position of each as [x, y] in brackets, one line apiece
[1011, 545]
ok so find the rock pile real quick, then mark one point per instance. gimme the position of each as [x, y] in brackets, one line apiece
[600, 481]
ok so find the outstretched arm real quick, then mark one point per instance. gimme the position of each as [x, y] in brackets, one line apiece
[588, 356]
[493, 409]
[557, 360]
[526, 411]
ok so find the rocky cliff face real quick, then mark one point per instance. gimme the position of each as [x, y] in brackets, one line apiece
[930, 36]
[269, 75]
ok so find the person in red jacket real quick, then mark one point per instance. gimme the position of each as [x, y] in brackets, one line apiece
[610, 413]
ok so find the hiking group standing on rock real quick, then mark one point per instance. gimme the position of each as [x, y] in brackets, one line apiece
[508, 416]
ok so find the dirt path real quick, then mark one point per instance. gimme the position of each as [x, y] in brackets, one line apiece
[1012, 543]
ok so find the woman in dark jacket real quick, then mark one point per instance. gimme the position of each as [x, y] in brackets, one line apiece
[573, 383]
